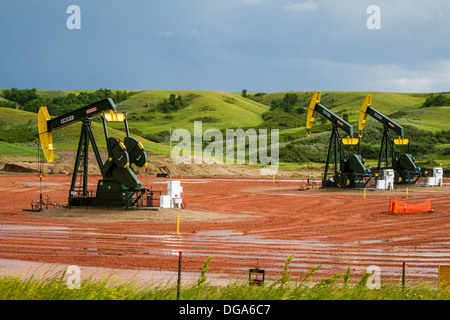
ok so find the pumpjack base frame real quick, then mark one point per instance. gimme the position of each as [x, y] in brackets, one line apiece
[122, 199]
[407, 177]
[356, 181]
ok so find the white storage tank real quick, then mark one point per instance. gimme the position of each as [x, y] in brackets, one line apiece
[387, 182]
[174, 189]
[436, 179]
[164, 202]
[173, 198]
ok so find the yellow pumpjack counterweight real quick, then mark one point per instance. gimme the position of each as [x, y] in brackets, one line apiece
[311, 114]
[45, 137]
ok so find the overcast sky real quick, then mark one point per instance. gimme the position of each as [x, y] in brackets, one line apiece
[226, 45]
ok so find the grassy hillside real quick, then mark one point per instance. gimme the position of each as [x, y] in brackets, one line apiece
[426, 127]
[351, 102]
[430, 119]
[217, 110]
[9, 150]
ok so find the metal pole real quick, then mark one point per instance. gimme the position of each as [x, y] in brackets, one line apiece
[336, 153]
[380, 156]
[126, 125]
[403, 275]
[86, 157]
[41, 174]
[170, 151]
[180, 253]
[328, 157]
[77, 163]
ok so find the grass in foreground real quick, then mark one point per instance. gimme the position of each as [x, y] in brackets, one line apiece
[337, 287]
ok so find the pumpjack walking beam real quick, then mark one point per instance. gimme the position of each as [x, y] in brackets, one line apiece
[47, 126]
[403, 163]
[350, 170]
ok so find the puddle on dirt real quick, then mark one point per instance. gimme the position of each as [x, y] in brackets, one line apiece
[15, 227]
[358, 242]
[47, 184]
[237, 246]
[218, 233]
[184, 181]
[28, 246]
[30, 231]
[295, 194]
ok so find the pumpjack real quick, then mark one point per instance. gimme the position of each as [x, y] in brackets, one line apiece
[119, 186]
[349, 170]
[403, 163]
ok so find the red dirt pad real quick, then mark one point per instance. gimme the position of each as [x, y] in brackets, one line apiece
[238, 221]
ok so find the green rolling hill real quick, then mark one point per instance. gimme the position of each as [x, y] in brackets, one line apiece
[219, 109]
[428, 128]
[216, 109]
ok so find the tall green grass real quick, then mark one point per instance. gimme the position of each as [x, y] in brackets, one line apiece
[15, 151]
[337, 287]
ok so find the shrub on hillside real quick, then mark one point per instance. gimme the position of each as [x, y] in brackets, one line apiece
[436, 100]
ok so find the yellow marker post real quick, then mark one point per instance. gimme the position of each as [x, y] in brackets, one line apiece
[273, 178]
[444, 276]
[178, 224]
[406, 193]
[364, 193]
